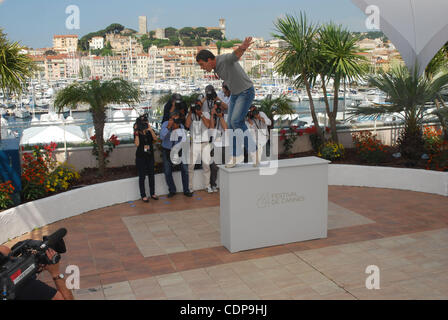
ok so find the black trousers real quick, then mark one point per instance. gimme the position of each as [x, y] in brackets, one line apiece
[145, 167]
[214, 167]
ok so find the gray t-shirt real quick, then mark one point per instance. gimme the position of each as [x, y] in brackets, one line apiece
[229, 70]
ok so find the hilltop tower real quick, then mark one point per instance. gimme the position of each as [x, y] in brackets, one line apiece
[222, 26]
[142, 25]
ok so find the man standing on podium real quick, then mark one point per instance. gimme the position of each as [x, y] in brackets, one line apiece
[242, 90]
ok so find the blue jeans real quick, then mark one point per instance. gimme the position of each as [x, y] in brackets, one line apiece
[238, 108]
[168, 170]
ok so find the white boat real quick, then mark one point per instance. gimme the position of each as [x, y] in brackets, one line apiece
[22, 113]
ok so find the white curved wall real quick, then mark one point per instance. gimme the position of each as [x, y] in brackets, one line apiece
[24, 218]
[386, 177]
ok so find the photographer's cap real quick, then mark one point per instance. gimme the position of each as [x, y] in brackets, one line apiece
[209, 88]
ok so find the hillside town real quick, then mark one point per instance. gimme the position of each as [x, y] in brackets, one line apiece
[129, 59]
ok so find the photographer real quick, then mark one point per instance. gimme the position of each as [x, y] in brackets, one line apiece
[258, 122]
[176, 103]
[144, 137]
[224, 96]
[172, 133]
[198, 123]
[218, 125]
[210, 98]
[35, 289]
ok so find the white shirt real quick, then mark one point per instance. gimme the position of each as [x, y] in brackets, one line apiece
[207, 106]
[224, 99]
[198, 130]
[259, 129]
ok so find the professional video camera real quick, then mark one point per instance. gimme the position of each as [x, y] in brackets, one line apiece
[26, 259]
[142, 122]
[210, 92]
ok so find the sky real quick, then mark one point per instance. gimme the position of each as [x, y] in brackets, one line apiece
[34, 22]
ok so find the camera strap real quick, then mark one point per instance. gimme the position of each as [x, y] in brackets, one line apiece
[210, 105]
[258, 127]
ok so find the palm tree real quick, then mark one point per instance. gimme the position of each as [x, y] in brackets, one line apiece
[297, 59]
[98, 95]
[408, 93]
[15, 67]
[341, 61]
[278, 106]
[437, 65]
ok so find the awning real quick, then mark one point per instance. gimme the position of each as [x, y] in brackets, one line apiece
[417, 28]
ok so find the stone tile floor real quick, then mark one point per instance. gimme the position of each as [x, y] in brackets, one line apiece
[404, 233]
[184, 230]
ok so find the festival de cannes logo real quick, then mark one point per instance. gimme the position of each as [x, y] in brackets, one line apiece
[264, 200]
[267, 200]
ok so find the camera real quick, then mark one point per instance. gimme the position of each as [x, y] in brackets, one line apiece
[195, 107]
[253, 113]
[210, 93]
[177, 98]
[142, 122]
[26, 259]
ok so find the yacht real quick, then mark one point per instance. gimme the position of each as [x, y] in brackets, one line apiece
[22, 113]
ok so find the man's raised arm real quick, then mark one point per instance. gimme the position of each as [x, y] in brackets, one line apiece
[243, 47]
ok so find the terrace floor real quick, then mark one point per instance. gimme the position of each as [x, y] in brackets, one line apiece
[170, 249]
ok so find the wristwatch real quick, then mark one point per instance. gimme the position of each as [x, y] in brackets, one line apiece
[60, 276]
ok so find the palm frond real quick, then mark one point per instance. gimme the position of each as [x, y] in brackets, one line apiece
[15, 67]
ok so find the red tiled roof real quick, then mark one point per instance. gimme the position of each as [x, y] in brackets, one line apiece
[65, 36]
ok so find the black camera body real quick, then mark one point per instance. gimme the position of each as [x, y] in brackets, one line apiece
[142, 122]
[195, 107]
[178, 121]
[253, 113]
[26, 260]
[211, 94]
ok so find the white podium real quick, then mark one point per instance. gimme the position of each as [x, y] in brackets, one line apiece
[265, 210]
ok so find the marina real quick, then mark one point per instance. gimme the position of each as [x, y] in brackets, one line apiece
[35, 107]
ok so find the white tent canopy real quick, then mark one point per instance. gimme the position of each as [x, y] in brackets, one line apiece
[417, 28]
[35, 135]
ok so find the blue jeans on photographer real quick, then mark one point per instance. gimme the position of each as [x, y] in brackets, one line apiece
[238, 109]
[168, 170]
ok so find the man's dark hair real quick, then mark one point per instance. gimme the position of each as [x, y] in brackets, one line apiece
[204, 55]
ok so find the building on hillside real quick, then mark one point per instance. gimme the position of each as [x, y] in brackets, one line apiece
[96, 43]
[65, 43]
[221, 27]
[276, 43]
[258, 42]
[38, 51]
[56, 67]
[160, 33]
[370, 44]
[123, 45]
[142, 25]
